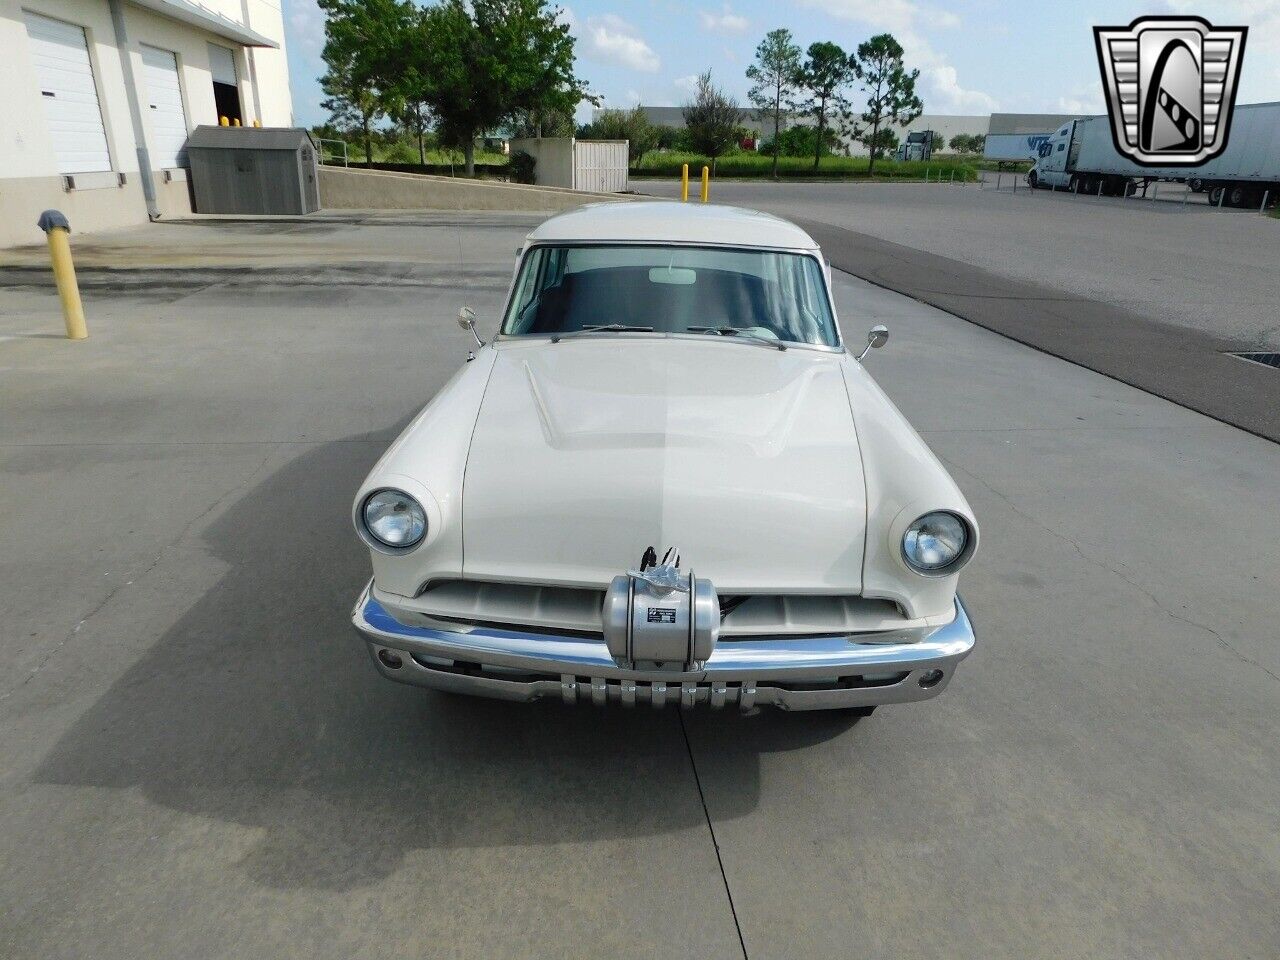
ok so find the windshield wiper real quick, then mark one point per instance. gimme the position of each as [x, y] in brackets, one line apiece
[602, 328]
[740, 333]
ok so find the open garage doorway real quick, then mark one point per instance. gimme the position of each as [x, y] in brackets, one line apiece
[226, 89]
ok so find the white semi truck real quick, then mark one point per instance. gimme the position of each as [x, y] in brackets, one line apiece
[1081, 157]
[917, 146]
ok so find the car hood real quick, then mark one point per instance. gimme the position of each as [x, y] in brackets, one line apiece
[587, 451]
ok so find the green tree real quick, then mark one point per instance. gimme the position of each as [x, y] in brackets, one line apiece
[889, 88]
[884, 143]
[542, 123]
[667, 137]
[711, 120]
[360, 37]
[415, 118]
[775, 76]
[824, 78]
[489, 61]
[961, 143]
[937, 143]
[801, 141]
[630, 125]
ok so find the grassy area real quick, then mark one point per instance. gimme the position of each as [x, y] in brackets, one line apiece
[404, 152]
[668, 163]
[453, 156]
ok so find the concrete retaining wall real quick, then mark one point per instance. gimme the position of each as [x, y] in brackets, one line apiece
[342, 188]
[553, 158]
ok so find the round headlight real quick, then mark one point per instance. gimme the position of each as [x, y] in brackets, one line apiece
[394, 519]
[935, 542]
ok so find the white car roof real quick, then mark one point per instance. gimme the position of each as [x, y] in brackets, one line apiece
[672, 222]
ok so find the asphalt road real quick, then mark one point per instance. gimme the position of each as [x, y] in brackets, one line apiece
[1195, 267]
[197, 759]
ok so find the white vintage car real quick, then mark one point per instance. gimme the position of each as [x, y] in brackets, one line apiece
[666, 479]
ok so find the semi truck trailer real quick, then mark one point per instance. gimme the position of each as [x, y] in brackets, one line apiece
[1004, 147]
[1081, 157]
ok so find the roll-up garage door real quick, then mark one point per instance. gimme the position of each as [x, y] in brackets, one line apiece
[226, 92]
[63, 70]
[222, 64]
[164, 108]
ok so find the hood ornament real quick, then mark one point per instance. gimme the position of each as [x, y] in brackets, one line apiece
[664, 577]
[660, 617]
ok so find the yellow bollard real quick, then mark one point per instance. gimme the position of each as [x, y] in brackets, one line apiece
[684, 183]
[235, 122]
[224, 122]
[706, 184]
[257, 123]
[57, 229]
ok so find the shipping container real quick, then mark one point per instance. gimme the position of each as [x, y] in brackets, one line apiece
[1081, 157]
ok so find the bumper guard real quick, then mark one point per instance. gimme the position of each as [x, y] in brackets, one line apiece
[794, 673]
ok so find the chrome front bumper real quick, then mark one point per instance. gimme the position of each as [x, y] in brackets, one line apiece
[794, 673]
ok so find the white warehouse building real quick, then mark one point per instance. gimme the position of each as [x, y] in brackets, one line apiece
[100, 96]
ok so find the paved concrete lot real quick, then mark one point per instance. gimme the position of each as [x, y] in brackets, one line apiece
[197, 759]
[1211, 270]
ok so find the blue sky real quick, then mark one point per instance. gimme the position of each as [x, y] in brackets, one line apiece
[974, 56]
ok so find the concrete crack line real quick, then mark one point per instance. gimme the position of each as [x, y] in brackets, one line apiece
[1155, 601]
[151, 565]
[706, 813]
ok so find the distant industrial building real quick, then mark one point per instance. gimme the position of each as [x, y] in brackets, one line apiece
[761, 128]
[93, 87]
[1005, 123]
[948, 125]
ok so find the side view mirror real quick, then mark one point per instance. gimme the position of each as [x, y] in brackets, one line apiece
[877, 337]
[467, 321]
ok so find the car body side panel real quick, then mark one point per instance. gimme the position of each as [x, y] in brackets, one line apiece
[428, 461]
[904, 480]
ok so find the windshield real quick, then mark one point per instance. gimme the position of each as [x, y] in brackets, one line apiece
[752, 293]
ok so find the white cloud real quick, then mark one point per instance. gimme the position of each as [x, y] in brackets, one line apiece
[725, 22]
[306, 28]
[896, 16]
[946, 87]
[611, 39]
[943, 18]
[1084, 101]
[688, 84]
[939, 85]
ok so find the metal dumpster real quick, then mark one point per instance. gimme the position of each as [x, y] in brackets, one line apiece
[253, 170]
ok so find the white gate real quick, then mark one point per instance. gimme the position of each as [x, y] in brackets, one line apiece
[65, 75]
[600, 166]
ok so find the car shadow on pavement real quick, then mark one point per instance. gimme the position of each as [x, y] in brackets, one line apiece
[260, 708]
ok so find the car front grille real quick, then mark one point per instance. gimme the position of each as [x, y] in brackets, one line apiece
[572, 611]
